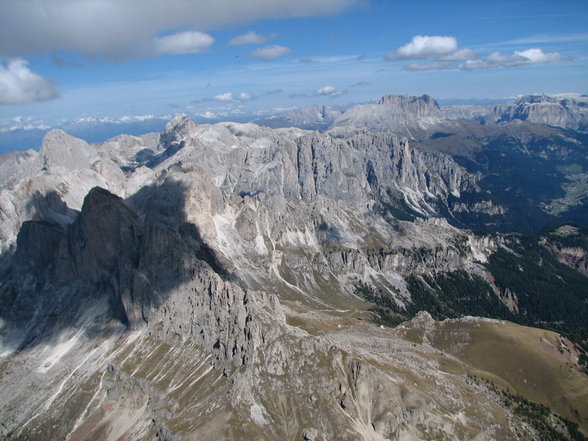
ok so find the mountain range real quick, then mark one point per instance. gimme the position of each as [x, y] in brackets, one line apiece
[405, 272]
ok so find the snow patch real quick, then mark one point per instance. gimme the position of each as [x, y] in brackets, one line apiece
[260, 247]
[58, 351]
[299, 238]
[258, 414]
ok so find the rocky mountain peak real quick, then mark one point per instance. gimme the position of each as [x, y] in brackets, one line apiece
[180, 126]
[398, 113]
[419, 105]
[62, 150]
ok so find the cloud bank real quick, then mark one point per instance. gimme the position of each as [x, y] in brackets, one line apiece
[446, 55]
[18, 84]
[125, 28]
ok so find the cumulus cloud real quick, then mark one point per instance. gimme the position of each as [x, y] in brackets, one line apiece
[188, 42]
[444, 54]
[18, 84]
[125, 119]
[424, 46]
[494, 60]
[208, 114]
[517, 58]
[22, 123]
[224, 97]
[228, 96]
[270, 52]
[124, 28]
[329, 91]
[251, 37]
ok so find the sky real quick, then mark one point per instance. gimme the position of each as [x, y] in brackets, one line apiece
[131, 60]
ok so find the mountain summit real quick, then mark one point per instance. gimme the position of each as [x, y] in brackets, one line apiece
[398, 113]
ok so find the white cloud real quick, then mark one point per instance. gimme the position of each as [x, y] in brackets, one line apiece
[250, 37]
[22, 123]
[228, 96]
[141, 118]
[494, 60]
[443, 54]
[208, 114]
[329, 91]
[224, 97]
[270, 52]
[424, 46]
[537, 56]
[188, 42]
[125, 119]
[124, 28]
[18, 84]
[517, 58]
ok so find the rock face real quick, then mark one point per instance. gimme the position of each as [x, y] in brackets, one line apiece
[565, 110]
[420, 106]
[205, 286]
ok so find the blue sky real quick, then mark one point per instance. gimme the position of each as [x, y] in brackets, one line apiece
[110, 59]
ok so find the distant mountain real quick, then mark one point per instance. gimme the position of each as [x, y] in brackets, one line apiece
[398, 113]
[561, 110]
[90, 130]
[309, 118]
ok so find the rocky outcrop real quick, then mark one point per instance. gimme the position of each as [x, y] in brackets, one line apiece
[62, 150]
[150, 274]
